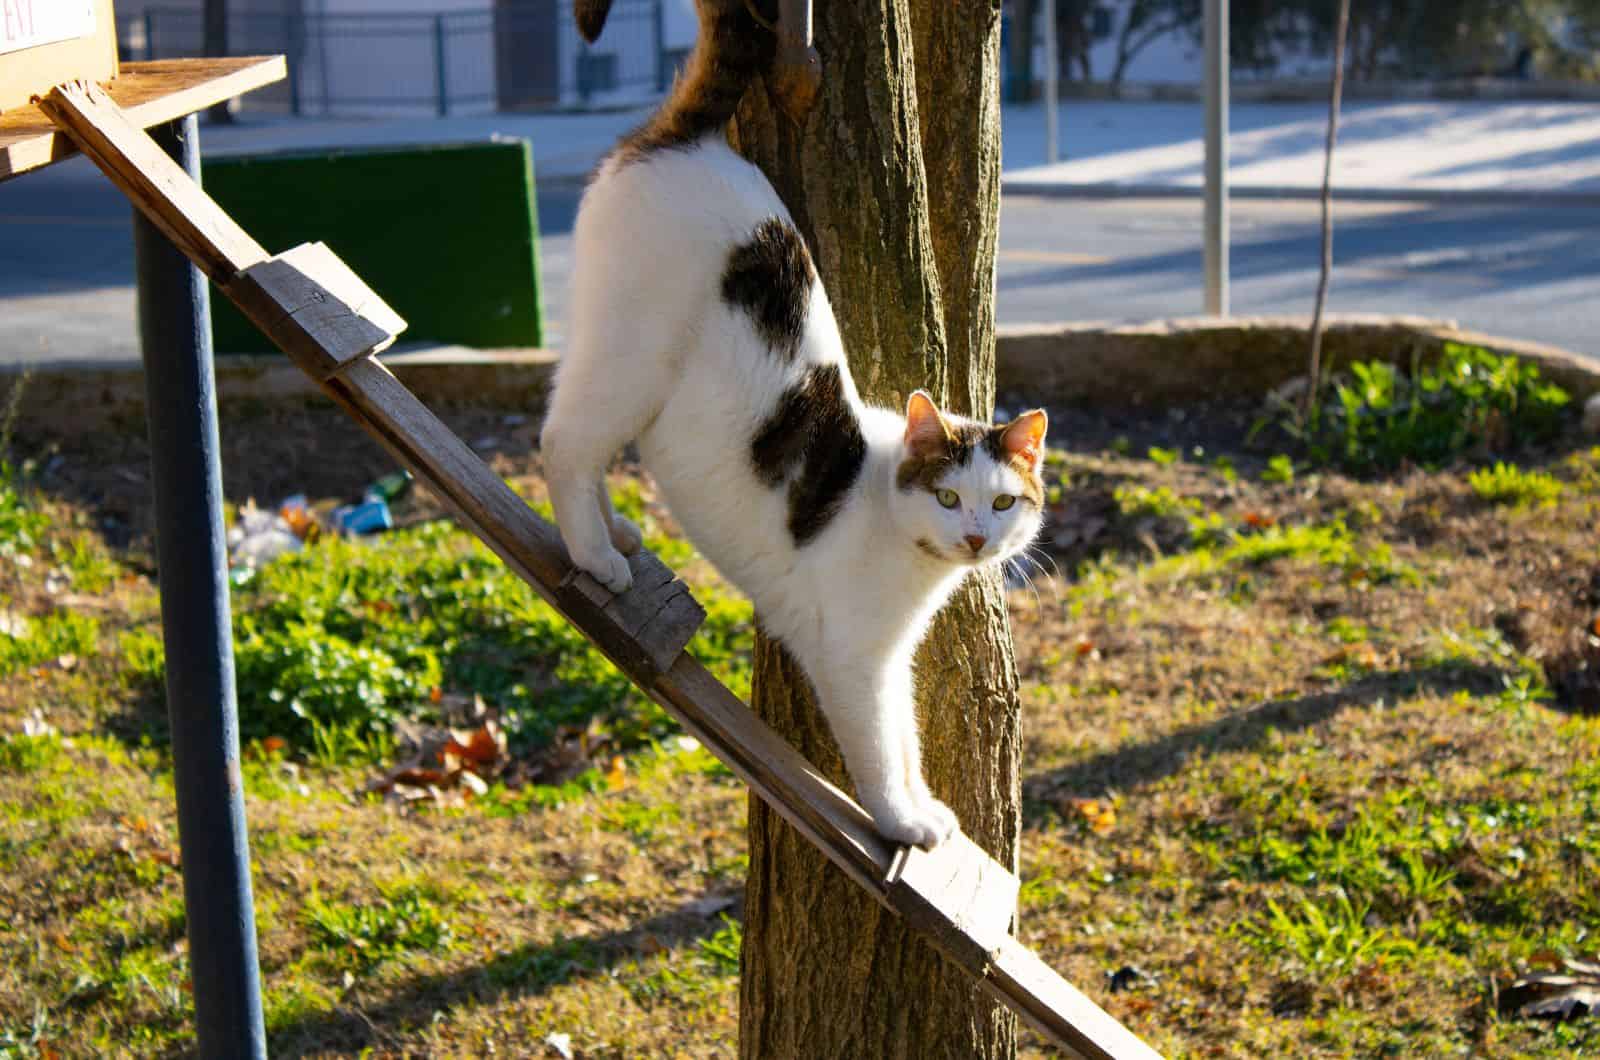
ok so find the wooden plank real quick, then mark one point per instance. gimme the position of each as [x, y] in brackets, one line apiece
[149, 93]
[959, 895]
[307, 299]
[1057, 1009]
[154, 183]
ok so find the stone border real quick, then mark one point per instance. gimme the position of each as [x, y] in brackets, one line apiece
[1156, 364]
[1203, 358]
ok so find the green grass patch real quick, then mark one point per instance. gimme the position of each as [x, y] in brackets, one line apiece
[404, 919]
[30, 642]
[1508, 484]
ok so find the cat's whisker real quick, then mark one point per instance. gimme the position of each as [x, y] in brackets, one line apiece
[1055, 582]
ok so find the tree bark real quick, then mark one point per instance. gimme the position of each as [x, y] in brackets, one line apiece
[894, 180]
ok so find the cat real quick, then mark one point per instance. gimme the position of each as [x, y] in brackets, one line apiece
[701, 332]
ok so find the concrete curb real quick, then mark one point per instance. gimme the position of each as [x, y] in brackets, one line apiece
[1161, 363]
[1207, 359]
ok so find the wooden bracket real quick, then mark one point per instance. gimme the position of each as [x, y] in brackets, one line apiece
[649, 625]
[315, 308]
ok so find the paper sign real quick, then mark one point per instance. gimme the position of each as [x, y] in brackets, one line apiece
[30, 23]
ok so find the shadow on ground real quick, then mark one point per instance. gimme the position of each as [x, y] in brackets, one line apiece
[526, 971]
[1153, 760]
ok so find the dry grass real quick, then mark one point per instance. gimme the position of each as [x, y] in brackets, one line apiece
[1311, 763]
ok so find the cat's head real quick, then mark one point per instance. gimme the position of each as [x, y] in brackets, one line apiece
[967, 492]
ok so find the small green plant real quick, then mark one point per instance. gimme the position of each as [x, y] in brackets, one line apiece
[1466, 402]
[1280, 470]
[21, 525]
[1328, 935]
[1160, 502]
[721, 951]
[1508, 484]
[1164, 457]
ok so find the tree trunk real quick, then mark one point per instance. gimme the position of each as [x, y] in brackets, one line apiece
[894, 180]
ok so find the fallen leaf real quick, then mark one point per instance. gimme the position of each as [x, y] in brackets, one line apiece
[274, 745]
[1101, 817]
[617, 775]
[710, 905]
[559, 1044]
[1259, 520]
[1556, 995]
[68, 661]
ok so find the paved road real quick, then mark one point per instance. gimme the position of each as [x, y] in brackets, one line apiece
[1525, 270]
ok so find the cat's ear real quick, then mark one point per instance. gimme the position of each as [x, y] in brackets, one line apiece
[1024, 437]
[925, 429]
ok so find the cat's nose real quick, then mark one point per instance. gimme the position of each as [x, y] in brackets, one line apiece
[975, 542]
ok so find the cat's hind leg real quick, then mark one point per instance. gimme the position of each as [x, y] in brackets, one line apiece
[599, 405]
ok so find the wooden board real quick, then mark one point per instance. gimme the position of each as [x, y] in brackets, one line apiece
[30, 71]
[147, 93]
[958, 897]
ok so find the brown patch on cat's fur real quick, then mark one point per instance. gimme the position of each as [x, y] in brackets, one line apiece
[813, 442]
[770, 278]
[923, 470]
[927, 546]
[732, 49]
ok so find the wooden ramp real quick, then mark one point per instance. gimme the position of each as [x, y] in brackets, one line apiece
[332, 326]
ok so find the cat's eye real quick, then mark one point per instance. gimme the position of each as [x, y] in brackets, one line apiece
[948, 498]
[1004, 501]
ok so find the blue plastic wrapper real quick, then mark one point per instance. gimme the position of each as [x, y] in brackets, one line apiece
[369, 517]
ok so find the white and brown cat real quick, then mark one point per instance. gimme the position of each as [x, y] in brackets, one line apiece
[699, 329]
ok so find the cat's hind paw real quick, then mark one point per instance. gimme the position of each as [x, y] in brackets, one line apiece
[625, 535]
[609, 568]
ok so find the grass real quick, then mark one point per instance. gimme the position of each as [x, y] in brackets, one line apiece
[1510, 485]
[1300, 747]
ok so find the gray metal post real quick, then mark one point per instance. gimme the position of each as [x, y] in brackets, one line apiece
[180, 387]
[1216, 168]
[1052, 75]
[149, 34]
[441, 73]
[659, 26]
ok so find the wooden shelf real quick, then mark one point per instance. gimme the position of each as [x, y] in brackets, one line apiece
[148, 93]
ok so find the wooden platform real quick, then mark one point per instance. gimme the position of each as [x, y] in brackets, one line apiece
[147, 93]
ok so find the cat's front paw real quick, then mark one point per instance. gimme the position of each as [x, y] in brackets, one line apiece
[949, 825]
[608, 567]
[912, 825]
[625, 535]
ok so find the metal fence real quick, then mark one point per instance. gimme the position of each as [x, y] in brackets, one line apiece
[461, 62]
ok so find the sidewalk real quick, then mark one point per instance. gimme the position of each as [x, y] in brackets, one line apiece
[1397, 150]
[1427, 150]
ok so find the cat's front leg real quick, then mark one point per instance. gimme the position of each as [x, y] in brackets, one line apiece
[867, 715]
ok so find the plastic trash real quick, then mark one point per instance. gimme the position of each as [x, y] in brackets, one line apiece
[258, 537]
[296, 512]
[368, 517]
[389, 487]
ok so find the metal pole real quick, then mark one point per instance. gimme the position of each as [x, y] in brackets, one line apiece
[180, 388]
[1216, 222]
[149, 34]
[441, 74]
[659, 25]
[1052, 71]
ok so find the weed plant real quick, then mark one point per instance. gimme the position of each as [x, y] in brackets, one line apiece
[1469, 402]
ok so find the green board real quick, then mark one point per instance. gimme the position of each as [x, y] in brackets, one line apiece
[447, 234]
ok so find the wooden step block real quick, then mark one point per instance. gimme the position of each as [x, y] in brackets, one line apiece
[959, 895]
[313, 306]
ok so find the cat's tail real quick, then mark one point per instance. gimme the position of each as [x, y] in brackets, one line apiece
[591, 17]
[733, 47]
